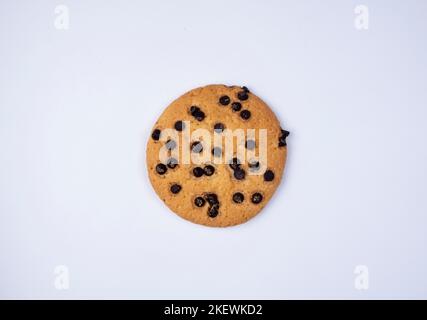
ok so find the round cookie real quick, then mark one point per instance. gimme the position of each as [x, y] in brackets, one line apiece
[223, 191]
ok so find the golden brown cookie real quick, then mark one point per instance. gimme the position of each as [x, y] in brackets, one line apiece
[217, 155]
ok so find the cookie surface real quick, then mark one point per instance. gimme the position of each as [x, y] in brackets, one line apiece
[214, 184]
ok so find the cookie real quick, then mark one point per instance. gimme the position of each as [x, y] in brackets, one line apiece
[217, 155]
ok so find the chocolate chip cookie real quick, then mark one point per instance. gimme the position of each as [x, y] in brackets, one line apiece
[217, 155]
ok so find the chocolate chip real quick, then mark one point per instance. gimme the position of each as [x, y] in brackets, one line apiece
[282, 138]
[156, 135]
[217, 152]
[250, 144]
[213, 211]
[172, 163]
[161, 169]
[194, 110]
[238, 197]
[239, 174]
[235, 164]
[236, 106]
[282, 142]
[198, 172]
[212, 198]
[199, 115]
[214, 204]
[175, 188]
[254, 165]
[245, 89]
[257, 198]
[224, 100]
[245, 114]
[219, 127]
[197, 147]
[170, 144]
[209, 170]
[199, 202]
[284, 132]
[269, 175]
[243, 95]
[179, 125]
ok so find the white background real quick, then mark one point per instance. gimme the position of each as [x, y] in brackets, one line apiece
[77, 107]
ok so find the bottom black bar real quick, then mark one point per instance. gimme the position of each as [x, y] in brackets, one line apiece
[190, 309]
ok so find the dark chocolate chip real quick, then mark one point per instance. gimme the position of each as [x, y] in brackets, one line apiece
[170, 144]
[250, 144]
[198, 172]
[197, 147]
[257, 198]
[161, 169]
[224, 100]
[199, 202]
[269, 175]
[239, 174]
[156, 135]
[282, 138]
[217, 152]
[194, 110]
[245, 89]
[219, 127]
[209, 170]
[236, 106]
[175, 188]
[213, 211]
[285, 133]
[254, 165]
[242, 95]
[238, 197]
[199, 115]
[212, 198]
[179, 125]
[172, 163]
[245, 114]
[235, 164]
[282, 142]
